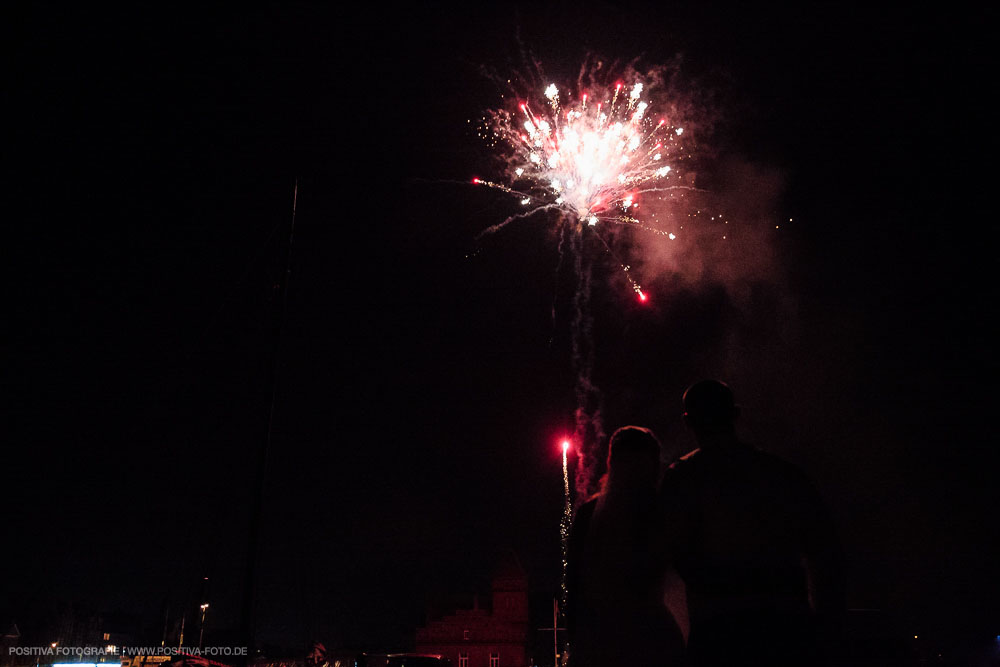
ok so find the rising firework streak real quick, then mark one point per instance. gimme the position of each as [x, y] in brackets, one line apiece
[567, 519]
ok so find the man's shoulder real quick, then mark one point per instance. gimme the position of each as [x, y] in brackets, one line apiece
[697, 465]
[685, 463]
[682, 473]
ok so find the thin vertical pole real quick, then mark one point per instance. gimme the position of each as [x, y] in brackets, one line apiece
[555, 632]
[247, 615]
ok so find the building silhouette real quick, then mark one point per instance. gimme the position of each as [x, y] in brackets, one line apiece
[479, 637]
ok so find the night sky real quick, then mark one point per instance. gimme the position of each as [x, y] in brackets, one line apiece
[151, 157]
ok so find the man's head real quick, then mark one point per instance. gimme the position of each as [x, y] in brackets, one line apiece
[710, 410]
[633, 456]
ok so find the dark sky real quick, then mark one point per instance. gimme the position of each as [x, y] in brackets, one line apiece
[151, 159]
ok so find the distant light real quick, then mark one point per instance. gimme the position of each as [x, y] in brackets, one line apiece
[565, 446]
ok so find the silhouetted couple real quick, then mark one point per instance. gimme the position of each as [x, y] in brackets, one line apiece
[729, 559]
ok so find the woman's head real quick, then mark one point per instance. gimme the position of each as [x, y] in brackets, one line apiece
[633, 457]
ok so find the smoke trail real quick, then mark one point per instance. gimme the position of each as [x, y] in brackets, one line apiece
[564, 232]
[589, 429]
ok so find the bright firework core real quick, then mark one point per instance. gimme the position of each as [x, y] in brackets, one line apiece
[592, 159]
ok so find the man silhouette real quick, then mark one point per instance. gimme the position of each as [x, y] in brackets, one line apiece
[752, 543]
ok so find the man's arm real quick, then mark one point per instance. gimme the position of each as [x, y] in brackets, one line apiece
[823, 559]
[672, 506]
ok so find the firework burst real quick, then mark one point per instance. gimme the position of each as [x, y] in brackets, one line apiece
[591, 159]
